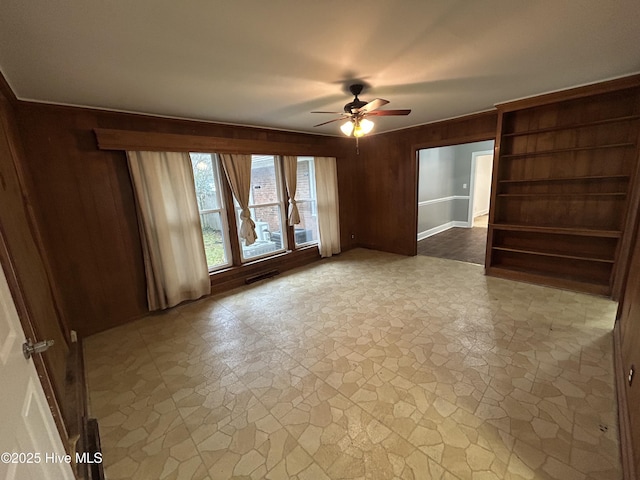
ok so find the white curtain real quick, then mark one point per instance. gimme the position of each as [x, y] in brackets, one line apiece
[172, 243]
[237, 168]
[328, 214]
[291, 179]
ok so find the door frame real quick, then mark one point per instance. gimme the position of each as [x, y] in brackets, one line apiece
[472, 181]
[29, 331]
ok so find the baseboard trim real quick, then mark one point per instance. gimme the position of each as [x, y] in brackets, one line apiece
[626, 447]
[441, 228]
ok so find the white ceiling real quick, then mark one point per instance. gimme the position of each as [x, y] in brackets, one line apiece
[270, 63]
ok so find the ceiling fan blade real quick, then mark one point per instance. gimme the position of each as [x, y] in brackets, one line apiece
[384, 113]
[330, 121]
[372, 105]
[334, 113]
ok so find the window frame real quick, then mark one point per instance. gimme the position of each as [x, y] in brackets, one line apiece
[230, 221]
[313, 201]
[216, 169]
[282, 199]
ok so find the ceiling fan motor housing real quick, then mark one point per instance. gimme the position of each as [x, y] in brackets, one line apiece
[357, 110]
[357, 103]
[351, 106]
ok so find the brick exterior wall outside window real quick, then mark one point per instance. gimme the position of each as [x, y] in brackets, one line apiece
[308, 216]
[265, 190]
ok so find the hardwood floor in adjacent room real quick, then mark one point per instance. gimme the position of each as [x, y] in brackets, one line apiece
[462, 244]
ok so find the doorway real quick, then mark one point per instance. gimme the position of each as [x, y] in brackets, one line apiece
[480, 187]
[454, 189]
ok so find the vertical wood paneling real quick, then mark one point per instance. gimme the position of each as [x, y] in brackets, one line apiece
[388, 176]
[86, 202]
[629, 355]
[34, 292]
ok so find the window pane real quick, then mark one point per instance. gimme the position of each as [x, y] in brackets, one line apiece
[268, 228]
[307, 230]
[213, 235]
[306, 186]
[215, 231]
[264, 184]
[203, 176]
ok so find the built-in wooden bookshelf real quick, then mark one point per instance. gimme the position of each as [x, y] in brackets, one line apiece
[563, 174]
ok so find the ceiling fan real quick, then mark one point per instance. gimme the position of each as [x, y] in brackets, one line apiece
[356, 111]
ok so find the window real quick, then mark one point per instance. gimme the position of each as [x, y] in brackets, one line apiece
[306, 232]
[213, 216]
[266, 205]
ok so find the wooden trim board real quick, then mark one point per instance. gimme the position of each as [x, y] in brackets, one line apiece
[109, 139]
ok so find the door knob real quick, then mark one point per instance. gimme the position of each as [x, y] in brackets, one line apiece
[29, 348]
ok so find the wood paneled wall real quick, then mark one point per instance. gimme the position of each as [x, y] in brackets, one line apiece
[86, 207]
[387, 169]
[26, 266]
[627, 343]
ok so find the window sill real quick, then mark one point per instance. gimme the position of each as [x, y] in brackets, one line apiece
[235, 276]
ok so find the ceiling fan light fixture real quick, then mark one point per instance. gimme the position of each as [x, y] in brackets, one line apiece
[363, 127]
[356, 125]
[347, 128]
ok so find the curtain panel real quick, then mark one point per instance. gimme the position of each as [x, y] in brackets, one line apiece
[169, 223]
[291, 179]
[328, 213]
[237, 168]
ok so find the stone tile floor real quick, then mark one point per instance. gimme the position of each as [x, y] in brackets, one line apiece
[363, 366]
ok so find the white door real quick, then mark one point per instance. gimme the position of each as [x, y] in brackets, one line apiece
[30, 447]
[482, 184]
